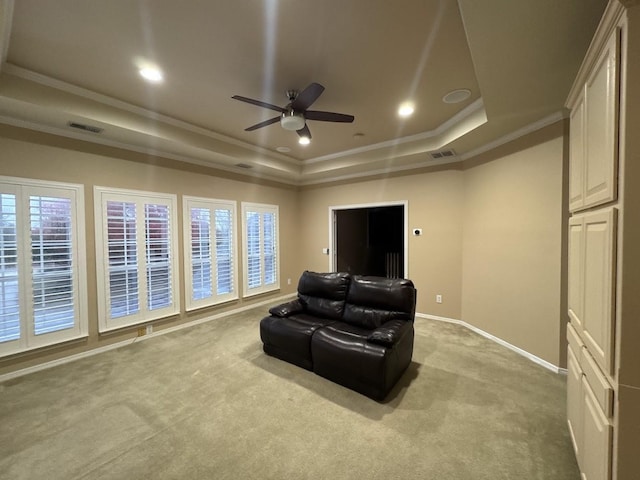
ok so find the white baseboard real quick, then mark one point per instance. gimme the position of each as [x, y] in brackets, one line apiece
[518, 350]
[113, 346]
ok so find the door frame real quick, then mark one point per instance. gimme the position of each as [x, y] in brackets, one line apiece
[332, 230]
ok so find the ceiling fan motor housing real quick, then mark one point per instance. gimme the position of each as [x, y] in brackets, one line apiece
[291, 120]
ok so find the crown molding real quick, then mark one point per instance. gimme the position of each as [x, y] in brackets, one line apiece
[440, 130]
[47, 81]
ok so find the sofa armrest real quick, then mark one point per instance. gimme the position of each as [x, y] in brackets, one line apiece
[389, 333]
[287, 309]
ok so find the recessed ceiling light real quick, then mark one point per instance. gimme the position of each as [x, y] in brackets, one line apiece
[457, 96]
[151, 74]
[283, 149]
[406, 109]
[304, 140]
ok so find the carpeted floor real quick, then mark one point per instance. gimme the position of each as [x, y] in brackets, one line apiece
[206, 403]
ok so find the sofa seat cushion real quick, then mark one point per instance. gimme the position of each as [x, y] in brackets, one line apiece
[341, 353]
[290, 338]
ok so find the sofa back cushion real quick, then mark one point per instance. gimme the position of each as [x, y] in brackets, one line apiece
[324, 294]
[373, 301]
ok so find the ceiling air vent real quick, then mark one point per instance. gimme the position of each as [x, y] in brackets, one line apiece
[243, 165]
[86, 128]
[443, 154]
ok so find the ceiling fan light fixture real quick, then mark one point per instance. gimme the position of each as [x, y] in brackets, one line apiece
[292, 120]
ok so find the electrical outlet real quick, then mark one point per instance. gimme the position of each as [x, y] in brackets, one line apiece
[288, 281]
[149, 329]
[438, 298]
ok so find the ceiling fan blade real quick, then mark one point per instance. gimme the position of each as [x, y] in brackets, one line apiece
[271, 121]
[304, 132]
[259, 103]
[328, 116]
[306, 97]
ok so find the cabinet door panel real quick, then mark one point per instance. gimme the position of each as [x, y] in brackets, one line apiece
[597, 438]
[576, 156]
[574, 402]
[576, 279]
[598, 275]
[601, 127]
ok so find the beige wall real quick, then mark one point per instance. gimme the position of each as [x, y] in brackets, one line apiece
[491, 243]
[512, 244]
[90, 165]
[434, 204]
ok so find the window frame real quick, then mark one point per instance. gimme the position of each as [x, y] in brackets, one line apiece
[102, 195]
[260, 208]
[24, 189]
[211, 204]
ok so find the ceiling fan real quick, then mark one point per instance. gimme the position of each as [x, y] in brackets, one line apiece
[295, 114]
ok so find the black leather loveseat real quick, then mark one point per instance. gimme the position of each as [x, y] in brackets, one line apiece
[354, 330]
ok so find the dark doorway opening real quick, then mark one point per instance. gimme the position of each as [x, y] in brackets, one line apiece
[370, 241]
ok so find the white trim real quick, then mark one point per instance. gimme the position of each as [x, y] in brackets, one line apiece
[124, 343]
[332, 239]
[441, 129]
[99, 140]
[381, 171]
[518, 350]
[261, 208]
[521, 132]
[211, 204]
[23, 189]
[113, 102]
[101, 195]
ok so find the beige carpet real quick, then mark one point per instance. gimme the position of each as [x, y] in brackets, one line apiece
[206, 403]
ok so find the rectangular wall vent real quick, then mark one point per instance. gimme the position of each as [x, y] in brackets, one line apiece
[443, 154]
[86, 128]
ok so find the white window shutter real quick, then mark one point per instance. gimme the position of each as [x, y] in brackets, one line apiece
[210, 257]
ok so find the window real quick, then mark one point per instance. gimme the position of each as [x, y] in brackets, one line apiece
[261, 258]
[209, 242]
[136, 257]
[42, 249]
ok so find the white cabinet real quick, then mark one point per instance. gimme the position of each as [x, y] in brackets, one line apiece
[576, 156]
[593, 139]
[589, 410]
[591, 281]
[596, 438]
[574, 402]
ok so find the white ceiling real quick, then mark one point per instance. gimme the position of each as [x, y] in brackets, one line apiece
[76, 60]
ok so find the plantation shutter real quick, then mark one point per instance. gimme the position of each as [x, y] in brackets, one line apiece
[158, 256]
[42, 287]
[269, 247]
[254, 264]
[201, 253]
[123, 259]
[52, 265]
[224, 251]
[210, 261]
[260, 228]
[9, 298]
